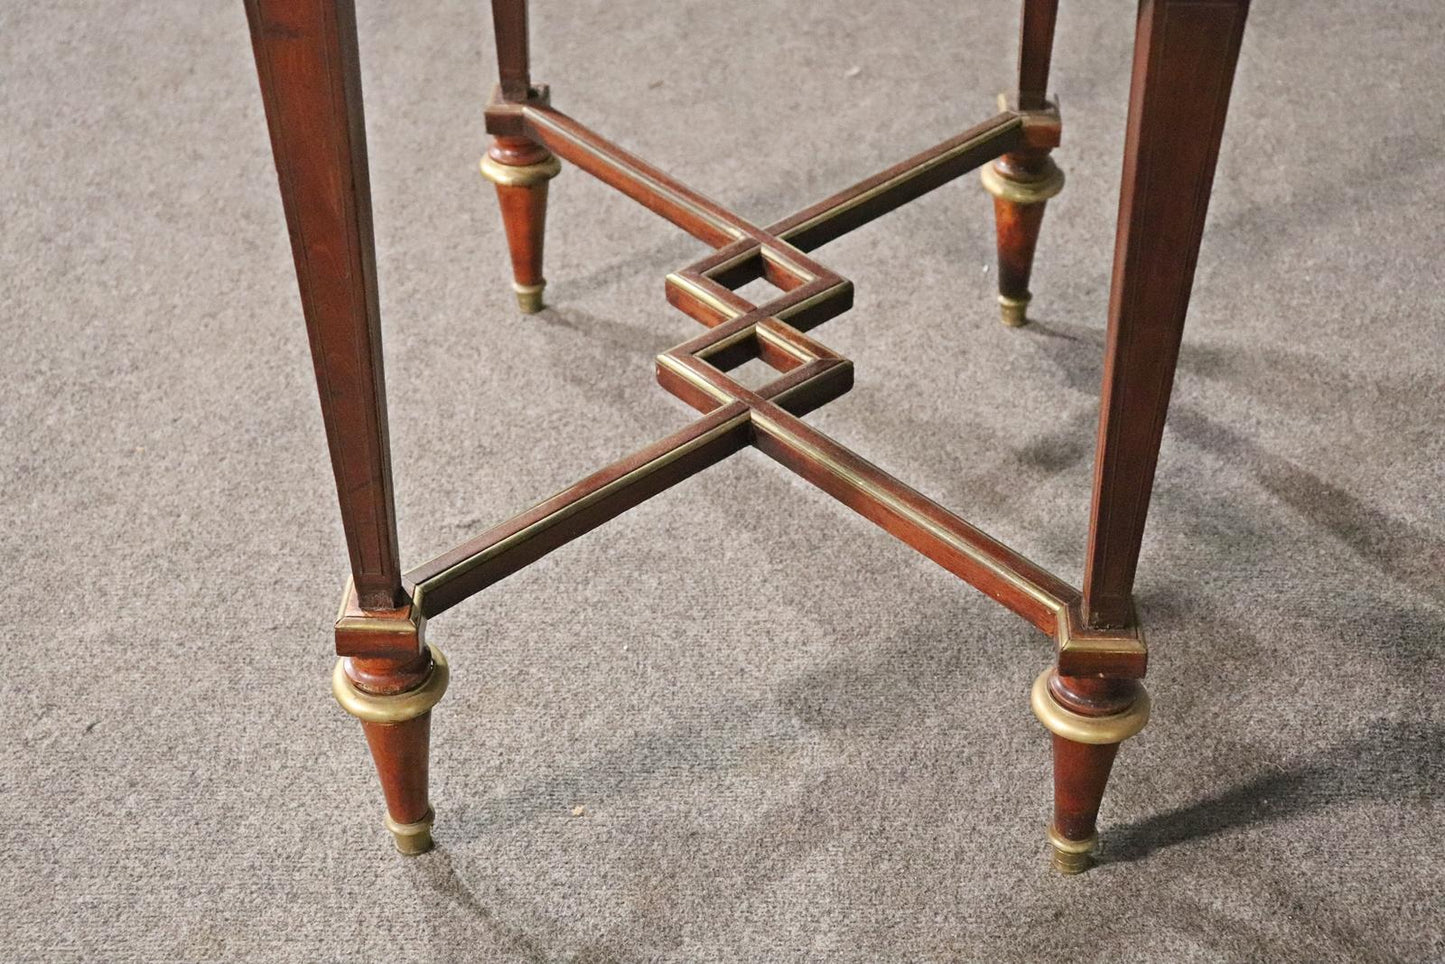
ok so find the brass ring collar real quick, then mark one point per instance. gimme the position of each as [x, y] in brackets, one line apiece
[1031, 191]
[1114, 728]
[520, 175]
[394, 708]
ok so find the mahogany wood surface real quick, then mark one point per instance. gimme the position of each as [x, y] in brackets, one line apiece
[509, 22]
[1081, 770]
[1081, 774]
[401, 751]
[402, 754]
[310, 77]
[1018, 223]
[1036, 49]
[524, 208]
[306, 58]
[1184, 58]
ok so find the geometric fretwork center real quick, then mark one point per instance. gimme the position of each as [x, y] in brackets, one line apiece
[809, 375]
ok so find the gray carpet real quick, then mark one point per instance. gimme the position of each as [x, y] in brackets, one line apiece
[791, 738]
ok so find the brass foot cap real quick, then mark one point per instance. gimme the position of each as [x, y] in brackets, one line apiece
[1014, 311]
[529, 297]
[412, 838]
[1072, 856]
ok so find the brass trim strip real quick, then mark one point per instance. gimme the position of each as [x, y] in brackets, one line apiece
[395, 708]
[785, 263]
[1045, 599]
[723, 267]
[772, 337]
[1076, 640]
[827, 294]
[572, 508]
[723, 344]
[619, 163]
[1006, 126]
[706, 297]
[1097, 730]
[371, 624]
[680, 368]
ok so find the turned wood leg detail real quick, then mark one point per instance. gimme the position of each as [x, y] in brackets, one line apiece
[521, 169]
[1021, 184]
[393, 699]
[1088, 718]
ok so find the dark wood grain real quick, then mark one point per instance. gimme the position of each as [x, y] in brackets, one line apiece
[1018, 225]
[509, 23]
[908, 180]
[1184, 60]
[1018, 222]
[400, 751]
[307, 60]
[1036, 47]
[503, 549]
[1081, 770]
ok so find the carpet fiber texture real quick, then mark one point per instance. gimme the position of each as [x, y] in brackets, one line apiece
[740, 723]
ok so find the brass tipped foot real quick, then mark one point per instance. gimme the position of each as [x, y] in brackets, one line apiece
[1072, 856]
[529, 297]
[412, 838]
[1013, 312]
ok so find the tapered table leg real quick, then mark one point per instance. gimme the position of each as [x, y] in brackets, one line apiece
[393, 700]
[520, 168]
[1022, 182]
[306, 57]
[1088, 718]
[1184, 59]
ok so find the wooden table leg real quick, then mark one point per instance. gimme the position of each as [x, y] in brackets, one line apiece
[519, 167]
[306, 56]
[1184, 59]
[1021, 182]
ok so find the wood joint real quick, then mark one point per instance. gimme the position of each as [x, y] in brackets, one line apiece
[1084, 650]
[378, 633]
[1043, 128]
[504, 117]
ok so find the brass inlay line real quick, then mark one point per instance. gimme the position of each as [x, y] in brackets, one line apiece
[591, 498]
[625, 165]
[745, 255]
[677, 367]
[705, 296]
[1004, 127]
[789, 311]
[777, 257]
[782, 344]
[1035, 592]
